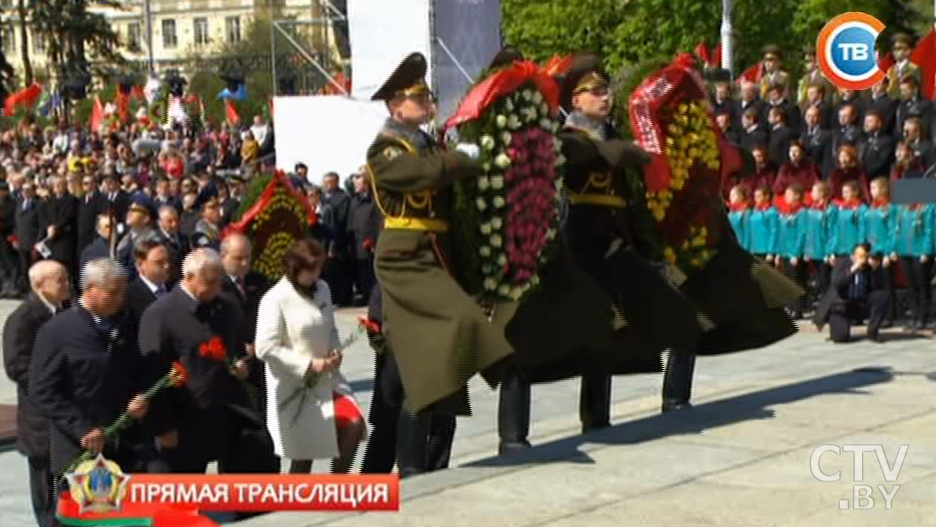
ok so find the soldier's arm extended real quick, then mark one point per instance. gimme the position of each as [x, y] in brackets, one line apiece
[579, 149]
[400, 170]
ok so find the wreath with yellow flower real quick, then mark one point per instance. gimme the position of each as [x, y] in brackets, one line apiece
[672, 120]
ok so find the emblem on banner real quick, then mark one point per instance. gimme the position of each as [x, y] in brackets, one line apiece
[98, 485]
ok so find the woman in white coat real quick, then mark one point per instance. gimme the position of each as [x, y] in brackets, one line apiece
[298, 341]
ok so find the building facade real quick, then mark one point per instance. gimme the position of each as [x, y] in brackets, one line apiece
[182, 29]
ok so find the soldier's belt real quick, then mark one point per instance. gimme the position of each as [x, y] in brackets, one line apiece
[417, 224]
[603, 200]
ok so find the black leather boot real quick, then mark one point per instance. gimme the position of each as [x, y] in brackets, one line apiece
[513, 414]
[412, 442]
[677, 380]
[595, 402]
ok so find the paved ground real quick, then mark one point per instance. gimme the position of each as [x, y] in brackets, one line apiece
[740, 457]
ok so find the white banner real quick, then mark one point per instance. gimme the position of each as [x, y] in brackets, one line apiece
[329, 133]
[383, 33]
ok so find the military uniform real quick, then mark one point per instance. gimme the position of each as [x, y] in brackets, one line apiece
[778, 76]
[902, 68]
[206, 233]
[439, 336]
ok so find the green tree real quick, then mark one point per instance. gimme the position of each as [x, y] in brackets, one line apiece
[78, 40]
[24, 42]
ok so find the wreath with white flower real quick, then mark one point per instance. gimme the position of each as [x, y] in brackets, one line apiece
[507, 218]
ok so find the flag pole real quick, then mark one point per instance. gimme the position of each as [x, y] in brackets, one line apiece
[726, 32]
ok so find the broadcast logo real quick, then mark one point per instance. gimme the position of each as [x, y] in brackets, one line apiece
[846, 51]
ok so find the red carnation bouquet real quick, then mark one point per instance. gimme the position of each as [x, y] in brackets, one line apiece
[672, 120]
[508, 218]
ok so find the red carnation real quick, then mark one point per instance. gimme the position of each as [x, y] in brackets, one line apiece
[214, 349]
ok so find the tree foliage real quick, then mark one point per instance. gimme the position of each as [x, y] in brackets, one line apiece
[77, 40]
[628, 32]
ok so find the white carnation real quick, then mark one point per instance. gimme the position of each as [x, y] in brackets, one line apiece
[516, 293]
[502, 260]
[544, 109]
[485, 229]
[484, 182]
[556, 141]
[499, 202]
[537, 97]
[496, 222]
[535, 280]
[508, 104]
[513, 122]
[496, 240]
[497, 182]
[527, 95]
[501, 121]
[502, 160]
[485, 251]
[490, 284]
[530, 114]
[551, 234]
[504, 290]
[487, 142]
[486, 167]
[555, 126]
[481, 204]
[545, 124]
[506, 138]
[560, 160]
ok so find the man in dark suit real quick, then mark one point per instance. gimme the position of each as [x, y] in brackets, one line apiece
[913, 104]
[882, 103]
[750, 99]
[858, 291]
[116, 200]
[818, 142]
[86, 371]
[338, 270]
[101, 246]
[848, 131]
[211, 417]
[877, 148]
[152, 262]
[164, 195]
[27, 229]
[777, 99]
[175, 242]
[9, 260]
[781, 135]
[50, 290]
[364, 225]
[752, 134]
[90, 206]
[60, 218]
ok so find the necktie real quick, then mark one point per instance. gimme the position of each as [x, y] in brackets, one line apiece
[26, 205]
[161, 291]
[240, 286]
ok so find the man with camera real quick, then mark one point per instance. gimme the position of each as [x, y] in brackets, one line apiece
[859, 291]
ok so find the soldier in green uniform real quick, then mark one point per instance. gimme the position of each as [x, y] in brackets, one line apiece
[902, 49]
[438, 334]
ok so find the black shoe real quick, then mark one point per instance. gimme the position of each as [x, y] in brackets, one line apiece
[672, 405]
[876, 338]
[508, 447]
[595, 427]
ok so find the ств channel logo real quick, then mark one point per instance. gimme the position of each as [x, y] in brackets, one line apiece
[846, 51]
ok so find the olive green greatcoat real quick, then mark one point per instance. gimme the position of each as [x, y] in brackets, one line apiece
[438, 334]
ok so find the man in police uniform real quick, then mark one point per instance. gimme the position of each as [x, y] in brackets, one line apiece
[439, 336]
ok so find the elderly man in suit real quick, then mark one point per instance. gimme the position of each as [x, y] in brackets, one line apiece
[211, 418]
[27, 227]
[85, 372]
[175, 242]
[859, 291]
[50, 290]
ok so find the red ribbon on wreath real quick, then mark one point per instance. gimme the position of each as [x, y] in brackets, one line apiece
[502, 83]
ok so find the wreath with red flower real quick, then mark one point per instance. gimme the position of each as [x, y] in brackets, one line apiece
[507, 218]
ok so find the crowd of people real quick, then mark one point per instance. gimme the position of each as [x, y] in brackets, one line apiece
[825, 161]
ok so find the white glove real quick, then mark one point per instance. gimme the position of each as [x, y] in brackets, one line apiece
[469, 149]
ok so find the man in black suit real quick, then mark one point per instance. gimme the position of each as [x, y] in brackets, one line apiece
[9, 260]
[851, 98]
[818, 142]
[176, 243]
[882, 103]
[60, 218]
[722, 103]
[777, 99]
[750, 99]
[90, 206]
[859, 290]
[116, 200]
[211, 417]
[27, 229]
[816, 98]
[152, 262]
[338, 270]
[781, 135]
[848, 131]
[913, 104]
[86, 371]
[101, 246]
[752, 134]
[164, 195]
[50, 290]
[364, 225]
[877, 148]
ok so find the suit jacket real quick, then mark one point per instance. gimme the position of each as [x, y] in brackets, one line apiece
[88, 209]
[138, 298]
[364, 225]
[61, 213]
[19, 335]
[255, 286]
[877, 155]
[174, 328]
[778, 144]
[919, 107]
[119, 203]
[7, 216]
[28, 224]
[751, 140]
[791, 111]
[819, 145]
[99, 248]
[887, 107]
[837, 297]
[845, 135]
[826, 118]
[81, 378]
[178, 247]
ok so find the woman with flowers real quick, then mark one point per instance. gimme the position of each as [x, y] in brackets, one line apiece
[298, 341]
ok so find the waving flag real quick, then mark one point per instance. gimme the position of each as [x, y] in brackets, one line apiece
[26, 98]
[924, 56]
[240, 94]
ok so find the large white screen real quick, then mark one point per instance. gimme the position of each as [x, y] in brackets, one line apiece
[327, 133]
[382, 34]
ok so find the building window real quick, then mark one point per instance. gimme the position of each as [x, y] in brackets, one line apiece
[39, 42]
[232, 24]
[133, 37]
[201, 31]
[170, 39]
